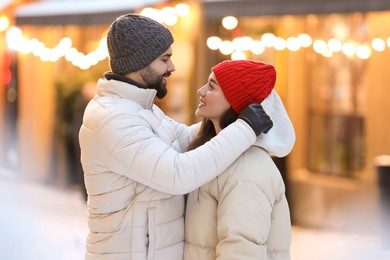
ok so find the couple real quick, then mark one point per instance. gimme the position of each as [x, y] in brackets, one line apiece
[138, 163]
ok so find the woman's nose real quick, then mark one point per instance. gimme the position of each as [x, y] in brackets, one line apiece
[201, 91]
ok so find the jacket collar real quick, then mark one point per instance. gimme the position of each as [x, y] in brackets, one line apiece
[144, 97]
[111, 75]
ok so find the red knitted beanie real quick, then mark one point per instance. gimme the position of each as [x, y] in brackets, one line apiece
[245, 82]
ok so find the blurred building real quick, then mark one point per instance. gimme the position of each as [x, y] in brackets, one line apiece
[332, 60]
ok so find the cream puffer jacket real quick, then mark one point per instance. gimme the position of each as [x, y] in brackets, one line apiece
[243, 213]
[135, 174]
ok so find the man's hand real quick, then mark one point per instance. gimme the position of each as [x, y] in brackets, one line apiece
[256, 117]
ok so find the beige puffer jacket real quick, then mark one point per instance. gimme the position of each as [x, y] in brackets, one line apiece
[243, 213]
[130, 152]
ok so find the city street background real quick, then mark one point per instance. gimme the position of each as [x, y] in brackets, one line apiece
[50, 223]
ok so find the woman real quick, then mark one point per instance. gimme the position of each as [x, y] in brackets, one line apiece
[243, 213]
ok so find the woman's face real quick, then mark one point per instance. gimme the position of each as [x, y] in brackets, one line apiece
[212, 102]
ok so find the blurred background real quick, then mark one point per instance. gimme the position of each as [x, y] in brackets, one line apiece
[333, 64]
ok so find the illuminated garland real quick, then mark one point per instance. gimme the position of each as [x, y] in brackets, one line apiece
[17, 42]
[237, 47]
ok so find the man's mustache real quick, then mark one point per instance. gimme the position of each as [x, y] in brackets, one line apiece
[167, 74]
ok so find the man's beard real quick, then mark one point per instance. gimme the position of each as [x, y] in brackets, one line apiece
[155, 81]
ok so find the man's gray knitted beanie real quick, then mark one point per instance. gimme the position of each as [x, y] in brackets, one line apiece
[134, 41]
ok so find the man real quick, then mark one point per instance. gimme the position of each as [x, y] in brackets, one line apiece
[132, 154]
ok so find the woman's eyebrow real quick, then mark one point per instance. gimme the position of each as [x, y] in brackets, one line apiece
[213, 81]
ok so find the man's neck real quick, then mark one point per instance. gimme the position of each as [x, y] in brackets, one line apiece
[110, 75]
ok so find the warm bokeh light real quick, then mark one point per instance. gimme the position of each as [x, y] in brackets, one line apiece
[169, 16]
[326, 48]
[17, 42]
[238, 55]
[334, 45]
[182, 10]
[268, 39]
[227, 47]
[293, 44]
[229, 22]
[349, 49]
[214, 42]
[378, 44]
[328, 53]
[37, 47]
[257, 47]
[237, 47]
[242, 43]
[4, 23]
[13, 35]
[305, 40]
[152, 13]
[320, 46]
[280, 44]
[363, 52]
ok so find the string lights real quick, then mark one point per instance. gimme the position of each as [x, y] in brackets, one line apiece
[17, 42]
[4, 23]
[238, 47]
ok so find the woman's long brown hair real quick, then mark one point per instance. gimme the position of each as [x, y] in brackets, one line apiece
[207, 130]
